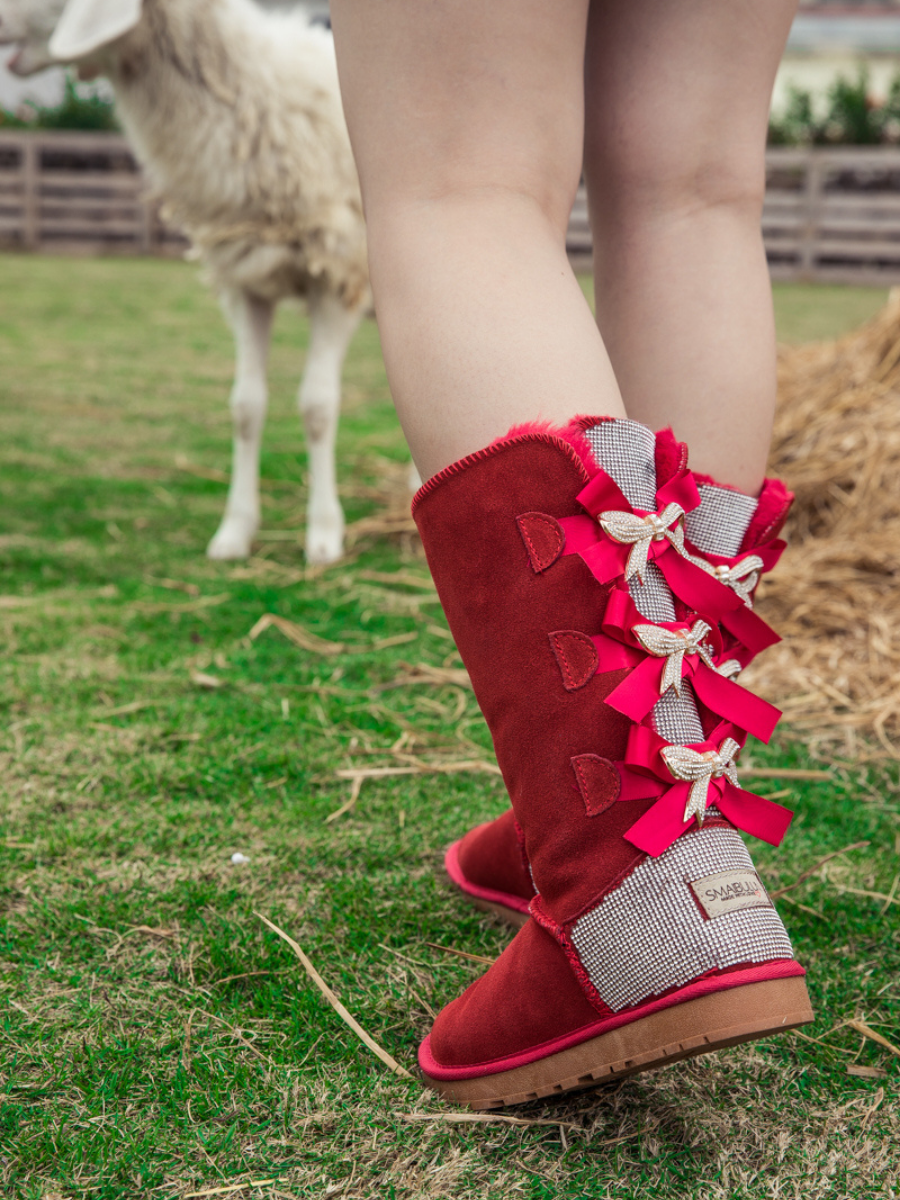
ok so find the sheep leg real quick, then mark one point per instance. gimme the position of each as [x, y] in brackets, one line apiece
[251, 320]
[331, 326]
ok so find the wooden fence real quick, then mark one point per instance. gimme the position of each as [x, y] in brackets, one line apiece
[77, 193]
[830, 214]
[833, 215]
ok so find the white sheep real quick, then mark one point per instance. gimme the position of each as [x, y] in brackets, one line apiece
[235, 114]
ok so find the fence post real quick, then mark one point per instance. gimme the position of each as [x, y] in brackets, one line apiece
[145, 224]
[31, 227]
[812, 197]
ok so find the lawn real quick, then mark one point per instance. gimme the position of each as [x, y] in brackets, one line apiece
[156, 1038]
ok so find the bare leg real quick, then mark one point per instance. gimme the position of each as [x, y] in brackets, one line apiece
[331, 326]
[466, 121]
[677, 99]
[251, 320]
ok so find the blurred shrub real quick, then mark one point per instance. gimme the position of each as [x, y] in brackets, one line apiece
[78, 109]
[852, 116]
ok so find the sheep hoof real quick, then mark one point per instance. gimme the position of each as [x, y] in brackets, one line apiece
[325, 539]
[321, 551]
[233, 539]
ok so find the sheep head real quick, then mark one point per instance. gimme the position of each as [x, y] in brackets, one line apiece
[49, 32]
[29, 25]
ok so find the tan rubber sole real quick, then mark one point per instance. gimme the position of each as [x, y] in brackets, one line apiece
[741, 1014]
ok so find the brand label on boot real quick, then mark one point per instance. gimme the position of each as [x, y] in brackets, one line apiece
[729, 891]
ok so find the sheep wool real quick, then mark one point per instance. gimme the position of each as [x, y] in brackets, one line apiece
[236, 116]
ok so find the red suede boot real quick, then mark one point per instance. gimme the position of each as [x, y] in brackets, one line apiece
[652, 936]
[735, 535]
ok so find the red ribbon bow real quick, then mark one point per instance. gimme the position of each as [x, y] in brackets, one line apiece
[729, 585]
[691, 578]
[701, 656]
[645, 536]
[645, 773]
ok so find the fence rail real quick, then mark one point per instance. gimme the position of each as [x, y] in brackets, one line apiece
[78, 193]
[829, 214]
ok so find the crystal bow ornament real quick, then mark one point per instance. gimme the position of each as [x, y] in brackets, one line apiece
[685, 781]
[613, 525]
[699, 770]
[673, 645]
[742, 576]
[640, 532]
[730, 669]
[669, 653]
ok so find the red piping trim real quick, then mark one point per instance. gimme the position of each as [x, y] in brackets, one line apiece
[472, 460]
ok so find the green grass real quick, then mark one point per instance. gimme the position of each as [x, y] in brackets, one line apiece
[809, 312]
[155, 1038]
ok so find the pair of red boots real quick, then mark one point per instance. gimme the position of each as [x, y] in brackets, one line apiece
[601, 598]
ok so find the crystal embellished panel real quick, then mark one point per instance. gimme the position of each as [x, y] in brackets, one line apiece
[720, 521]
[626, 451]
[650, 934]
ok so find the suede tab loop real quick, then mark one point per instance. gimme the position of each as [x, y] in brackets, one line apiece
[544, 539]
[598, 781]
[577, 657]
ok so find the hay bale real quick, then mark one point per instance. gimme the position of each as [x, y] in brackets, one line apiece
[834, 597]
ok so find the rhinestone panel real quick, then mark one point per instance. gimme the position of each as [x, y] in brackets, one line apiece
[675, 717]
[649, 935]
[721, 519]
[626, 451]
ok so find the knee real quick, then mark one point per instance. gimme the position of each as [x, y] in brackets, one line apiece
[248, 412]
[541, 191]
[635, 180]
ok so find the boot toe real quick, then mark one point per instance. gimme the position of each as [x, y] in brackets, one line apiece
[529, 998]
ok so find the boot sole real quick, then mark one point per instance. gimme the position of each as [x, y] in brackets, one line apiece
[497, 904]
[711, 1022]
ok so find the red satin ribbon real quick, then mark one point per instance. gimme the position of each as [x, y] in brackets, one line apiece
[708, 595]
[638, 692]
[703, 593]
[603, 493]
[644, 774]
[635, 696]
[606, 558]
[770, 552]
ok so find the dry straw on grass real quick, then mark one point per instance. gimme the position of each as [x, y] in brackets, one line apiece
[297, 634]
[834, 596]
[332, 999]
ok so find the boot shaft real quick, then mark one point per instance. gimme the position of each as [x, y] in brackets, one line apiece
[501, 611]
